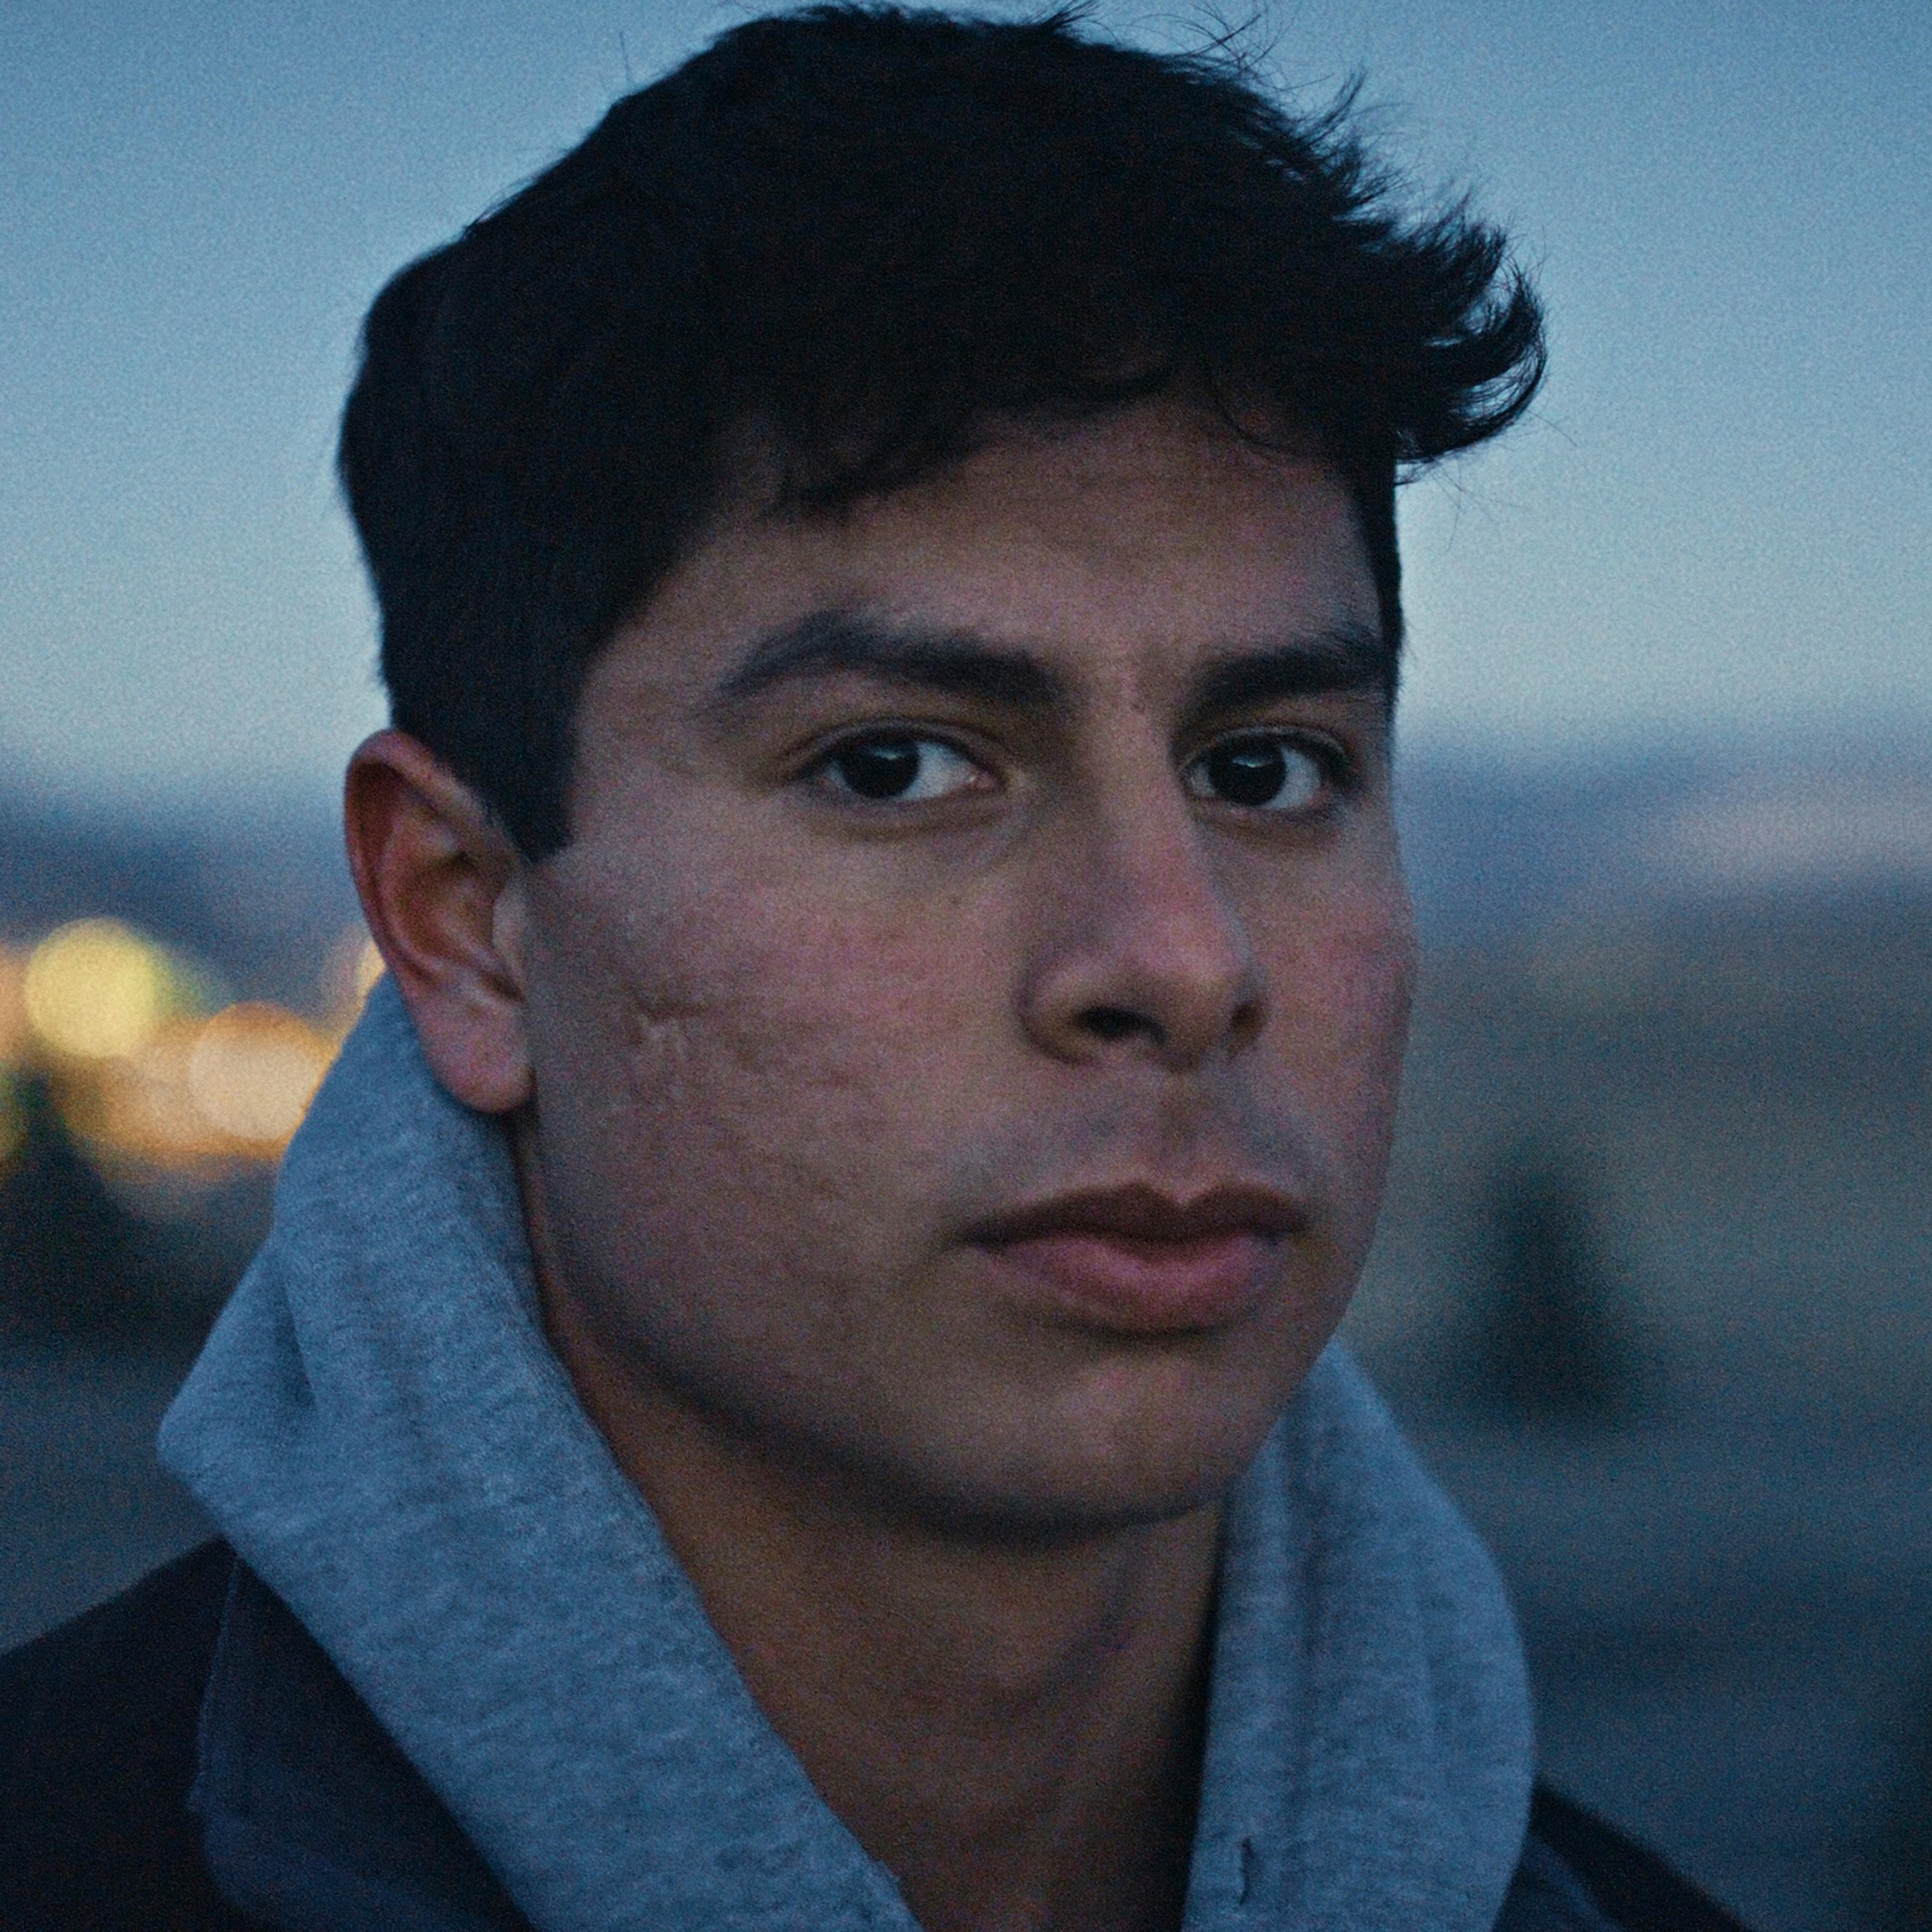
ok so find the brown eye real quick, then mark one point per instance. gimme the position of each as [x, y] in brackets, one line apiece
[899, 768]
[1259, 771]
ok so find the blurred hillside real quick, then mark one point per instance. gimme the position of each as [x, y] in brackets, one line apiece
[1653, 1289]
[1737, 1097]
[1697, 1005]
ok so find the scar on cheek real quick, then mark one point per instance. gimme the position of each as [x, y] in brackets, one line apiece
[661, 1030]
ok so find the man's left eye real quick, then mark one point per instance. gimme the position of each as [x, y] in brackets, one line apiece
[1261, 771]
[899, 768]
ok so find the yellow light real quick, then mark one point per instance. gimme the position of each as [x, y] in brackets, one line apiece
[252, 1072]
[140, 1107]
[95, 991]
[12, 1006]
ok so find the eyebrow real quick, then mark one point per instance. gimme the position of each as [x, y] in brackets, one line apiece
[829, 643]
[1348, 658]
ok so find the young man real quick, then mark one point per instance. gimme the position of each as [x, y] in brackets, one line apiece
[791, 1384]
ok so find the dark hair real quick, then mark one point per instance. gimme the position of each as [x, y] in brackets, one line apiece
[866, 232]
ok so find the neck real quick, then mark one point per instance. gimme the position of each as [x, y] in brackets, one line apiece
[1011, 1725]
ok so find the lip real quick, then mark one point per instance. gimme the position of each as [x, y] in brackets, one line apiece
[1139, 1261]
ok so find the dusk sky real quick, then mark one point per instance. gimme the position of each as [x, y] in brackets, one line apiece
[1715, 527]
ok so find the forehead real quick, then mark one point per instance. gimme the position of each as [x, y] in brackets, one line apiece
[1138, 543]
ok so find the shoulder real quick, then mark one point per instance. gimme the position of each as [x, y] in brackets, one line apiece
[98, 1736]
[1578, 1874]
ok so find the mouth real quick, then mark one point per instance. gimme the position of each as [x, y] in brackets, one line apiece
[1135, 1260]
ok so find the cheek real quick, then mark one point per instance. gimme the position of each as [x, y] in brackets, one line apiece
[738, 1086]
[798, 1026]
[1342, 980]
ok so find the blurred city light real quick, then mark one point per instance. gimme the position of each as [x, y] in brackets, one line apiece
[12, 1006]
[252, 1072]
[143, 1076]
[96, 990]
[138, 1108]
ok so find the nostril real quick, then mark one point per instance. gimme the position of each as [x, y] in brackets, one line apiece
[1118, 1023]
[1250, 1017]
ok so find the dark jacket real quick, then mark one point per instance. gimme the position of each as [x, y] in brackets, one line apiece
[114, 1760]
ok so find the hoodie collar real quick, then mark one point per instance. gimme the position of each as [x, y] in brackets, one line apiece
[379, 1428]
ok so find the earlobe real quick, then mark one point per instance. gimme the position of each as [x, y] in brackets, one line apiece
[443, 889]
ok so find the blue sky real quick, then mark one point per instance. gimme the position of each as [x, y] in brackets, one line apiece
[1716, 526]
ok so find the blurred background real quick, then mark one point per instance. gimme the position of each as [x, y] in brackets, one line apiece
[1653, 1290]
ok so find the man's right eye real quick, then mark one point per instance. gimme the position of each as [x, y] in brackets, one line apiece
[899, 768]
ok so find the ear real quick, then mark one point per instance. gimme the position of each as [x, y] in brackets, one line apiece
[443, 890]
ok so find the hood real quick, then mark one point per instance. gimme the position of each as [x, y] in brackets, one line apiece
[378, 1426]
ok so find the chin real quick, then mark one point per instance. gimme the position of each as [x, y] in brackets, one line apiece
[1066, 1502]
[1134, 1443]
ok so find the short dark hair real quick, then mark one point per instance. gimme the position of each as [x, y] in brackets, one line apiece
[867, 233]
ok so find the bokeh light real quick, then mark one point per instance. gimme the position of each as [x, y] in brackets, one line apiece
[96, 990]
[12, 1006]
[149, 1080]
[138, 1108]
[252, 1072]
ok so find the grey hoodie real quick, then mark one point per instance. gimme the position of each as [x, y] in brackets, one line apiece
[378, 1427]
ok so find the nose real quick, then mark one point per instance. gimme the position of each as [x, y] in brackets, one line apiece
[1138, 951]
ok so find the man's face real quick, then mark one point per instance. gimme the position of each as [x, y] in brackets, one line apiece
[966, 1021]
